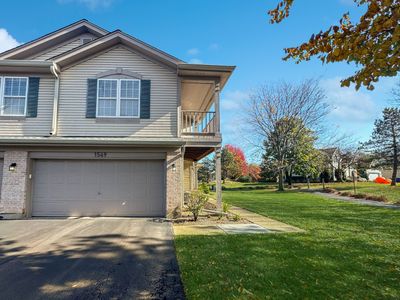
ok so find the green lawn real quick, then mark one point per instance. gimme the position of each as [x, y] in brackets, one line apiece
[392, 193]
[349, 252]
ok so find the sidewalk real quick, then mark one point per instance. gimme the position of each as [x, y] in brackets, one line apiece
[359, 201]
[256, 224]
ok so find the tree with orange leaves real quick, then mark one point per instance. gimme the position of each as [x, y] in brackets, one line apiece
[233, 162]
[372, 43]
[254, 172]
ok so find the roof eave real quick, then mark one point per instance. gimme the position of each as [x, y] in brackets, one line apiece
[18, 51]
[110, 40]
[201, 70]
[25, 66]
[52, 141]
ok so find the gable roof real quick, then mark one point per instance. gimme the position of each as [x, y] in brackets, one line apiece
[109, 40]
[19, 56]
[52, 39]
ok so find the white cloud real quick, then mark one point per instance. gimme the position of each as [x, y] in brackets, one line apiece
[193, 51]
[349, 105]
[91, 4]
[7, 41]
[232, 100]
[195, 61]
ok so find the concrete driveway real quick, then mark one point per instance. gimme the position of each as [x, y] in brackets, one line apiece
[88, 258]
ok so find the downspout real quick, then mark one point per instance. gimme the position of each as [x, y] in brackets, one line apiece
[56, 72]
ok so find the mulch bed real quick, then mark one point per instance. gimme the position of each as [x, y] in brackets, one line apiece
[206, 218]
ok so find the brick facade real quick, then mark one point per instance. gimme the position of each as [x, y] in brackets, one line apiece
[14, 185]
[174, 191]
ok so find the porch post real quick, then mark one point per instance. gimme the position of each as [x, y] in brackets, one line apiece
[217, 110]
[218, 183]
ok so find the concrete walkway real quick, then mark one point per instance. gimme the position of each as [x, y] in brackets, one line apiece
[257, 224]
[359, 201]
[268, 223]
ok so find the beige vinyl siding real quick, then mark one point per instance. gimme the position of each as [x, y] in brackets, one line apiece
[64, 47]
[388, 173]
[39, 126]
[73, 90]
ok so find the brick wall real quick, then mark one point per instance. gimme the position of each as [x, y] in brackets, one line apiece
[13, 191]
[174, 183]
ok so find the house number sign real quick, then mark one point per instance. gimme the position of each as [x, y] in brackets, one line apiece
[100, 154]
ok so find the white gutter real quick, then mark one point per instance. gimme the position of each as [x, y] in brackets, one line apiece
[24, 63]
[56, 72]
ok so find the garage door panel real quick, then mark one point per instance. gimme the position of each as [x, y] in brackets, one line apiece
[107, 188]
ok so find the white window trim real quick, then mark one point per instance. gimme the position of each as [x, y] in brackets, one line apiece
[3, 84]
[118, 104]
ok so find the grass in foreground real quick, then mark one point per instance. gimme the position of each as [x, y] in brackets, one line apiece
[349, 252]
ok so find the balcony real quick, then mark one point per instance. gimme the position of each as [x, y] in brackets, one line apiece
[198, 123]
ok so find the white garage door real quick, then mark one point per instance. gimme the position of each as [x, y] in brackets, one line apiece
[98, 188]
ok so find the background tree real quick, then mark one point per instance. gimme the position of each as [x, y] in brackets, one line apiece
[372, 43]
[396, 95]
[239, 157]
[304, 158]
[206, 170]
[269, 171]
[279, 114]
[308, 160]
[385, 141]
[254, 171]
[230, 169]
[363, 163]
[233, 162]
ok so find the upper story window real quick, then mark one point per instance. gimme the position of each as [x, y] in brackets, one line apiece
[13, 96]
[118, 98]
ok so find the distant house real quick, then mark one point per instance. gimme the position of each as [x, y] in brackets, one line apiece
[373, 174]
[384, 170]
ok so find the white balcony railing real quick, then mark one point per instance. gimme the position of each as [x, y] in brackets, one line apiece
[198, 122]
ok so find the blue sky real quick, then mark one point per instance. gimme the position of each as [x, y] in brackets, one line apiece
[230, 32]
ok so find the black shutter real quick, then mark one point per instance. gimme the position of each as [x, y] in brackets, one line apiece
[33, 96]
[91, 98]
[145, 99]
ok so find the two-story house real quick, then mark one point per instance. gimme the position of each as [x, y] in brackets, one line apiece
[98, 123]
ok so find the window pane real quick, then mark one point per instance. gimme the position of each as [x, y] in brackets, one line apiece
[129, 108]
[14, 106]
[136, 89]
[126, 89]
[107, 88]
[15, 86]
[130, 89]
[107, 108]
